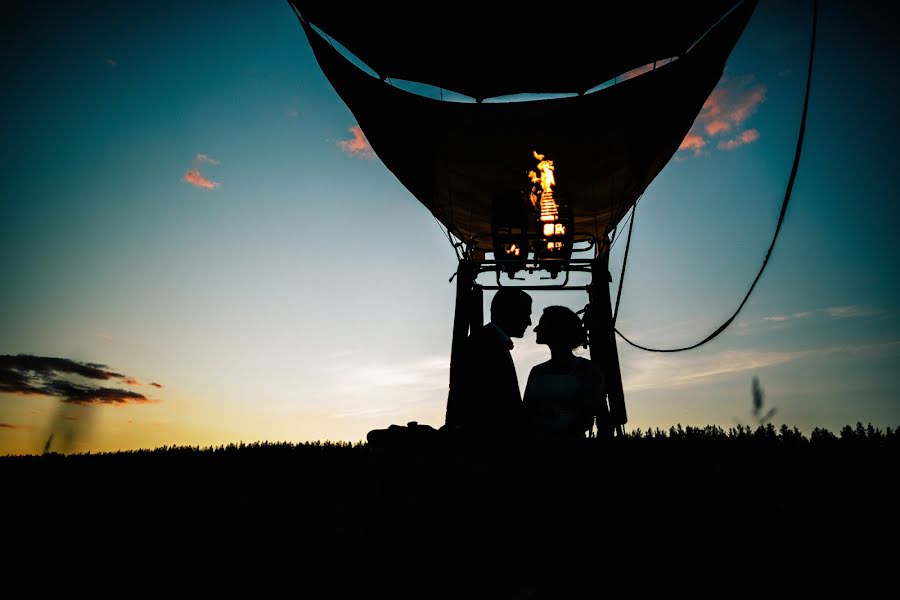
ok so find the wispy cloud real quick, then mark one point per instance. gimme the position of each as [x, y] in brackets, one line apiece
[777, 318]
[665, 372]
[381, 389]
[358, 146]
[291, 114]
[726, 110]
[835, 312]
[112, 62]
[853, 311]
[156, 385]
[71, 381]
[419, 374]
[745, 137]
[659, 372]
[11, 426]
[195, 178]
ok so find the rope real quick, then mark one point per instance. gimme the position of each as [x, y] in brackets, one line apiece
[630, 216]
[624, 262]
[784, 205]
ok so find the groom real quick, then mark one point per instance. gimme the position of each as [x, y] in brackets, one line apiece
[486, 402]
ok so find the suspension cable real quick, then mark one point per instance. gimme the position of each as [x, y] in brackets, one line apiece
[784, 205]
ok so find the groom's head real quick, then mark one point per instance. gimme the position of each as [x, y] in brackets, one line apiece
[511, 311]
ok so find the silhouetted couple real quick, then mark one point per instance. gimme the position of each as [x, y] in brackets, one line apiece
[560, 401]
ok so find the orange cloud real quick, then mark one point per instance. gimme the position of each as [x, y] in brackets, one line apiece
[358, 146]
[747, 104]
[132, 381]
[726, 110]
[716, 127]
[194, 177]
[156, 385]
[11, 426]
[746, 137]
[639, 71]
[693, 142]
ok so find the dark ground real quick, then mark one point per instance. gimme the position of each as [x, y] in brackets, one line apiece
[433, 519]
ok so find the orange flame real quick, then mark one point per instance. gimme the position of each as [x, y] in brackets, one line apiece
[548, 206]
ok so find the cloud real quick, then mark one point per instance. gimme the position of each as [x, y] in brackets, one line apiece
[112, 62]
[716, 127]
[639, 71]
[835, 312]
[664, 372]
[291, 114]
[194, 177]
[784, 72]
[156, 385]
[62, 378]
[693, 142]
[382, 389]
[853, 311]
[420, 374]
[746, 137]
[667, 372]
[11, 426]
[726, 110]
[358, 146]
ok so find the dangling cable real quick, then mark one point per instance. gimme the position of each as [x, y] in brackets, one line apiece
[784, 205]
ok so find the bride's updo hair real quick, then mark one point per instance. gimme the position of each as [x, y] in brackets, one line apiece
[561, 324]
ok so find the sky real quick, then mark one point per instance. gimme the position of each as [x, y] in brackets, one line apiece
[192, 222]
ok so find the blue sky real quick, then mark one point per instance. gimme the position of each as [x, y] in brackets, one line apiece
[264, 319]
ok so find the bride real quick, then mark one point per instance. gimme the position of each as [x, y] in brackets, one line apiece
[559, 397]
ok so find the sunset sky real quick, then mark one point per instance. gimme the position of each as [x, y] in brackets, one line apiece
[191, 219]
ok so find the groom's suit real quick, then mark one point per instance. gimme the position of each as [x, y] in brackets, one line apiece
[488, 400]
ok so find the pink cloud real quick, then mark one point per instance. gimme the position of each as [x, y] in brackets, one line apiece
[746, 103]
[716, 127]
[693, 142]
[358, 146]
[726, 110]
[194, 177]
[639, 71]
[746, 137]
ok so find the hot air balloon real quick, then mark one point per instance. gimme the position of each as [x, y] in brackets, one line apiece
[529, 181]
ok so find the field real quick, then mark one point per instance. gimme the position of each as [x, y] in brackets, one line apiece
[747, 496]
